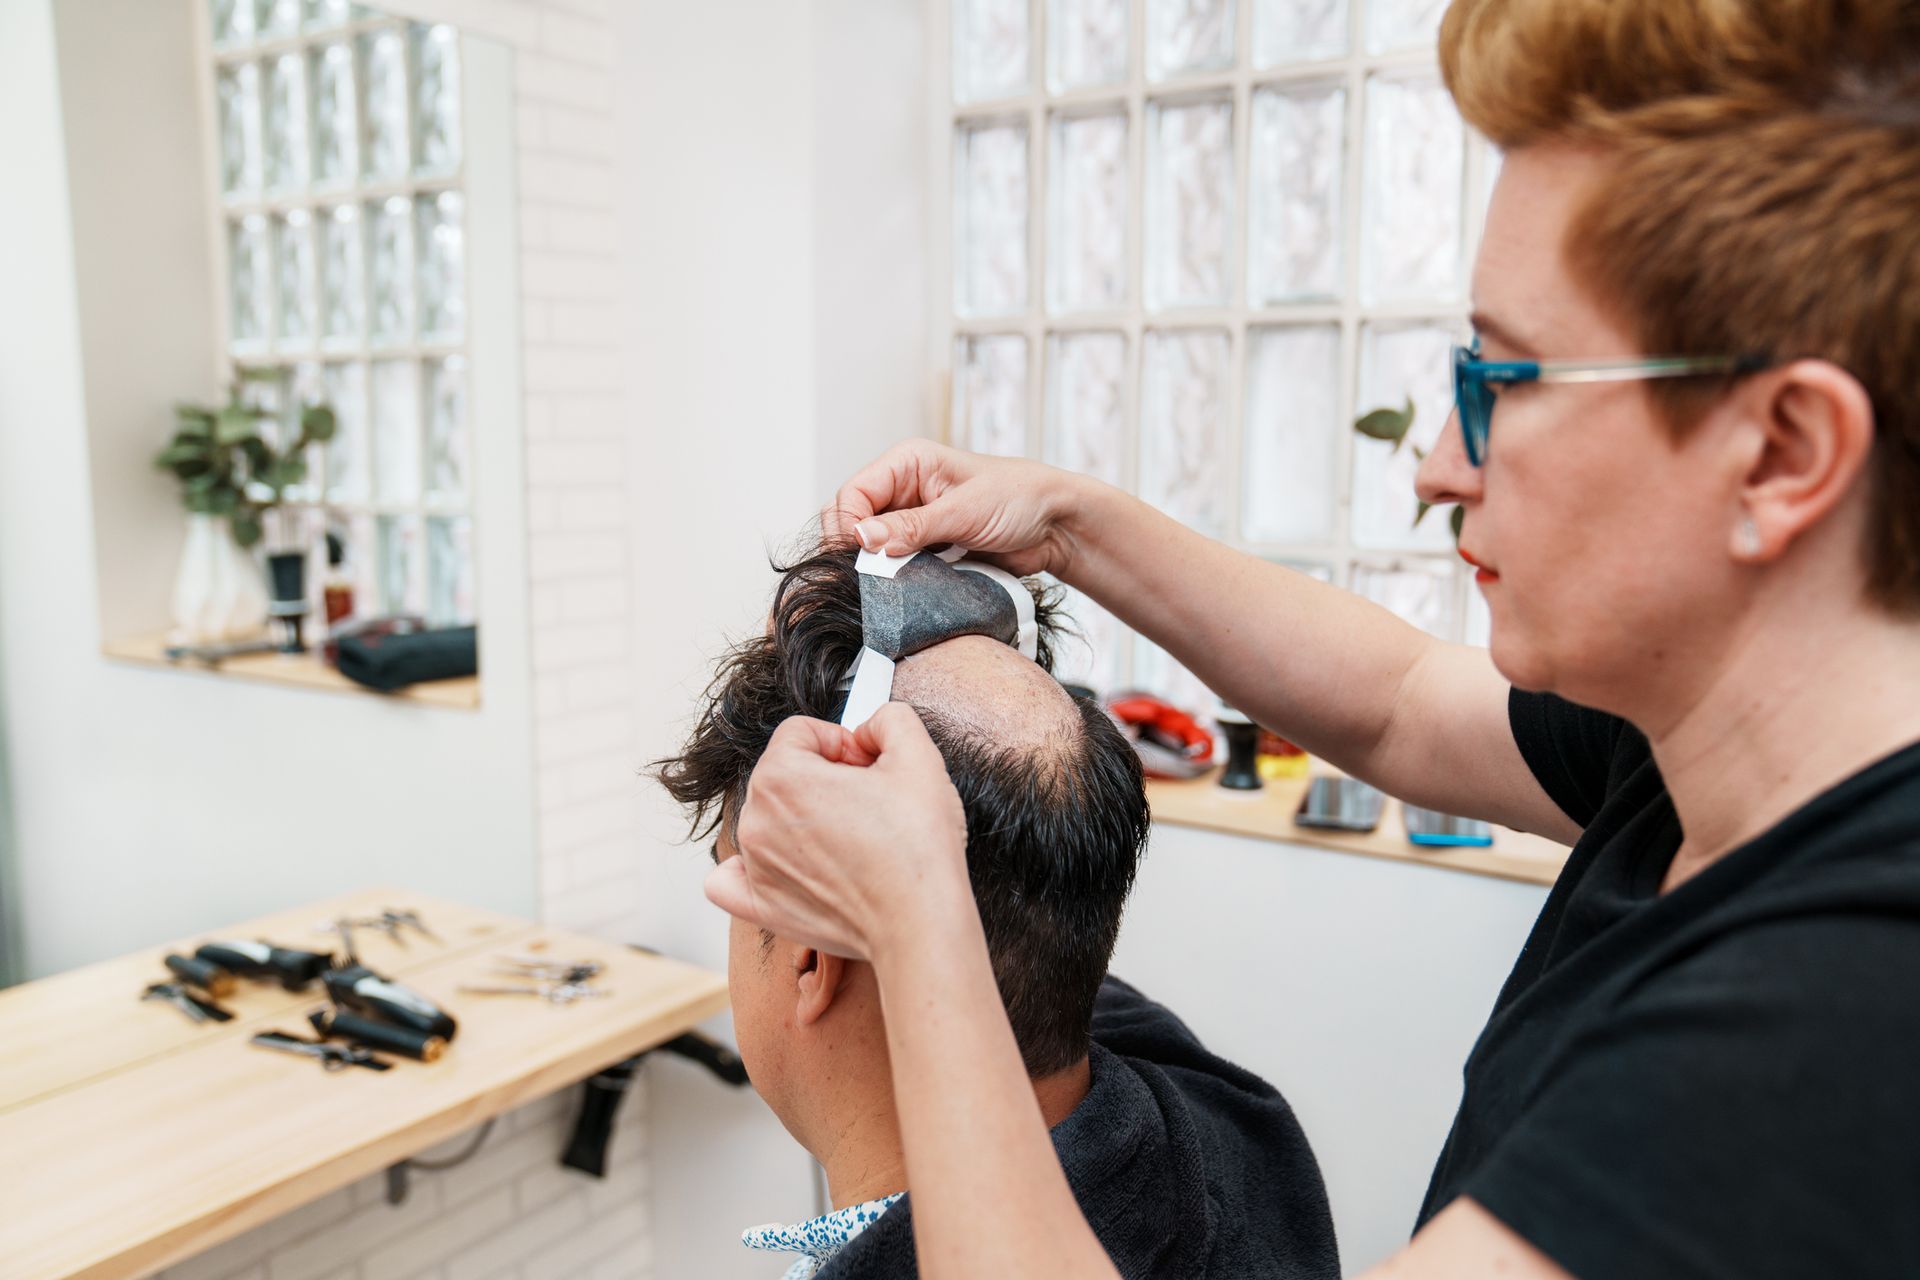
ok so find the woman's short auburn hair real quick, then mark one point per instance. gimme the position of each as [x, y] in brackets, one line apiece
[1763, 194]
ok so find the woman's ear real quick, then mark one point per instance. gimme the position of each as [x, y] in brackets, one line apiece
[1818, 424]
[818, 979]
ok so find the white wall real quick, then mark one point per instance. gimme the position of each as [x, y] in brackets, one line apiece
[1355, 986]
[145, 280]
[772, 197]
[871, 195]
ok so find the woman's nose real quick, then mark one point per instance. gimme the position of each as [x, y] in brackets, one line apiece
[1445, 475]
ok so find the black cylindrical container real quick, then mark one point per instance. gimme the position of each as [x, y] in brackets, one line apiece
[210, 978]
[405, 1041]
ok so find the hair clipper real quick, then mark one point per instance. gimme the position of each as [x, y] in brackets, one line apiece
[353, 986]
[292, 969]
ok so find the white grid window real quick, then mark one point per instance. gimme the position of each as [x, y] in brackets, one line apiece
[1192, 241]
[339, 170]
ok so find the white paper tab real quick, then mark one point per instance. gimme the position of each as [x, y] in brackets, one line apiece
[872, 687]
[882, 565]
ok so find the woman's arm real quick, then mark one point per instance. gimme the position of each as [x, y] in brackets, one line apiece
[1341, 676]
[1465, 1242]
[977, 1148]
[1419, 718]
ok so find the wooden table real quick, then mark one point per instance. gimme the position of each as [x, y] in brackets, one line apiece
[131, 1137]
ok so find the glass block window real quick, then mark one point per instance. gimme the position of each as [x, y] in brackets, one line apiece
[1193, 241]
[339, 167]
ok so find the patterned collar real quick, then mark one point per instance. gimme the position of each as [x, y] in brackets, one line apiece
[817, 1239]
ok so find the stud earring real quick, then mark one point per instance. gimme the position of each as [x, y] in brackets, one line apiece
[1749, 536]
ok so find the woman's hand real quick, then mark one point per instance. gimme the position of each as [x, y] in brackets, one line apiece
[920, 494]
[847, 838]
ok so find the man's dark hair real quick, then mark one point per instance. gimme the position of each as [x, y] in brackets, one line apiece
[1054, 832]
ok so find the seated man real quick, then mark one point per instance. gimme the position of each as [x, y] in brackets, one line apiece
[1184, 1164]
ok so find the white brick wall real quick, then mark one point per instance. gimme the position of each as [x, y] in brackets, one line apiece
[513, 1213]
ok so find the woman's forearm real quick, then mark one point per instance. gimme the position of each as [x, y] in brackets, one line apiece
[989, 1197]
[1321, 665]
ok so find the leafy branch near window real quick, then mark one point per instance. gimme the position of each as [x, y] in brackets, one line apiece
[227, 468]
[1392, 425]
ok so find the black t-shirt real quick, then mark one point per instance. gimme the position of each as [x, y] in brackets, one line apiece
[1720, 1081]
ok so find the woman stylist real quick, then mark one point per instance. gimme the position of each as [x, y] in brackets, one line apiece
[1688, 449]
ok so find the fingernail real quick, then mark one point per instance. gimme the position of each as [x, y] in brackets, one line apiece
[872, 534]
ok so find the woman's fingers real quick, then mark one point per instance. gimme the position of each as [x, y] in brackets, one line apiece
[839, 830]
[808, 736]
[729, 889]
[945, 519]
[896, 734]
[920, 494]
[906, 475]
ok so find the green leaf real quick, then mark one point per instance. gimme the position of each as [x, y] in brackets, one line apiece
[261, 373]
[1386, 424]
[246, 527]
[259, 456]
[234, 424]
[182, 451]
[285, 472]
[203, 482]
[192, 420]
[223, 501]
[199, 502]
[1458, 518]
[1420, 513]
[317, 422]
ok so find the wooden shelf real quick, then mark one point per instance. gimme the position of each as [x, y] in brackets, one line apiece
[301, 670]
[1268, 815]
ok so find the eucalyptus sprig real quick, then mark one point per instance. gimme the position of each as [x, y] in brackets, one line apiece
[1393, 425]
[224, 465]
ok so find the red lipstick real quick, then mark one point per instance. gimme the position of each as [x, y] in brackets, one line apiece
[1485, 574]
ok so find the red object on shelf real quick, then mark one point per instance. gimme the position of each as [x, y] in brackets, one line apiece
[1170, 742]
[339, 601]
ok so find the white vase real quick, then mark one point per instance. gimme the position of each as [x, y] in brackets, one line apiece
[218, 594]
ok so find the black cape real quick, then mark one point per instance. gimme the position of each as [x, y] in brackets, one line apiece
[1185, 1165]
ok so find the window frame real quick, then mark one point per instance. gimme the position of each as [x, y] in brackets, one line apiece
[1036, 108]
[315, 505]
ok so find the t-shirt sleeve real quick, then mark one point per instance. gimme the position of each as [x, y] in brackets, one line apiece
[1570, 749]
[1749, 1113]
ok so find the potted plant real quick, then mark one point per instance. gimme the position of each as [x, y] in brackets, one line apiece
[229, 472]
[1392, 425]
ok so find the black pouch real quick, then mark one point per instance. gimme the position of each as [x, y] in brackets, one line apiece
[392, 662]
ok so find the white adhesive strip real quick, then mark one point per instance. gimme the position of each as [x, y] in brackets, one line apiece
[1028, 639]
[872, 687]
[882, 565]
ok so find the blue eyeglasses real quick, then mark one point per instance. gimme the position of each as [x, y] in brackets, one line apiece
[1474, 381]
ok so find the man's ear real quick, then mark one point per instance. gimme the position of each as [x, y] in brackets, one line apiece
[818, 978]
[1817, 434]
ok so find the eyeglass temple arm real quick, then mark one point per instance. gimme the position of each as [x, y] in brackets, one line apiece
[1613, 370]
